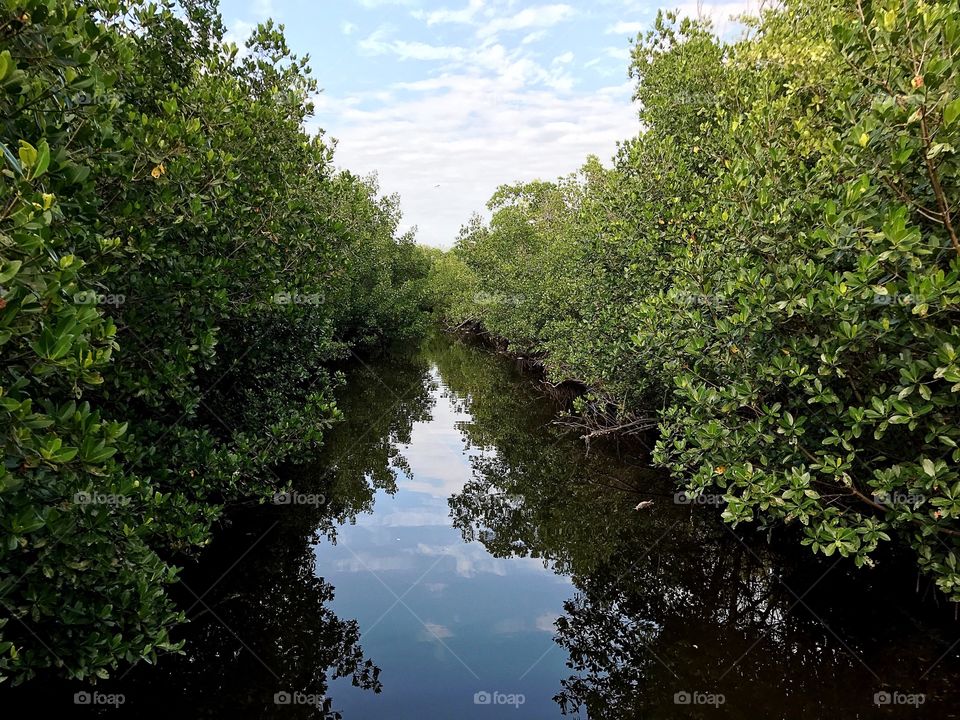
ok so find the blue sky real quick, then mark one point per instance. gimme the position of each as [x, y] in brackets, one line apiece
[447, 99]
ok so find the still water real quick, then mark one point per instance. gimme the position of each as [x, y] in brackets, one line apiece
[451, 625]
[456, 554]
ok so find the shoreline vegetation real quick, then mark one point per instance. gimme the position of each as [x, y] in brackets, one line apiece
[767, 274]
[182, 267]
[766, 277]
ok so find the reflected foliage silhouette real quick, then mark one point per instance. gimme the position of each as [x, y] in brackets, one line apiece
[260, 618]
[668, 600]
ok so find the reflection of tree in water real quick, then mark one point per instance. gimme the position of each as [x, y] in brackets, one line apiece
[381, 401]
[266, 626]
[264, 629]
[668, 600]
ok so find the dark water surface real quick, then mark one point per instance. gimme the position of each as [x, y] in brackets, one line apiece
[457, 555]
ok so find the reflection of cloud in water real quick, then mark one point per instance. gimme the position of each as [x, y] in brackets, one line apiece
[409, 518]
[470, 559]
[509, 626]
[362, 562]
[436, 453]
[473, 558]
[513, 626]
[435, 631]
[546, 622]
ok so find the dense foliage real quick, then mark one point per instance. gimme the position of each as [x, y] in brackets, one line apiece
[179, 263]
[769, 270]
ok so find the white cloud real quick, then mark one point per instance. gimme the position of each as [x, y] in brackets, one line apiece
[373, 4]
[369, 562]
[470, 559]
[377, 43]
[237, 33]
[533, 37]
[464, 15]
[509, 626]
[720, 13]
[347, 27]
[617, 53]
[263, 8]
[621, 55]
[534, 17]
[484, 112]
[410, 518]
[422, 51]
[627, 28]
[470, 132]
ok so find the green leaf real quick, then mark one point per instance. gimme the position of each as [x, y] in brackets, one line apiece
[27, 153]
[950, 112]
[889, 20]
[43, 160]
[10, 269]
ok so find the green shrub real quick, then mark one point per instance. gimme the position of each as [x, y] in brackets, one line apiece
[770, 269]
[178, 262]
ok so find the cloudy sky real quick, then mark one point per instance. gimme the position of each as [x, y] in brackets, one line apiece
[447, 99]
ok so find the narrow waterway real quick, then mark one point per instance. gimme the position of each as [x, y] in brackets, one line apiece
[458, 555]
[444, 618]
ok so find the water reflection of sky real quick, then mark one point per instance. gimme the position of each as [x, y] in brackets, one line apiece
[443, 619]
